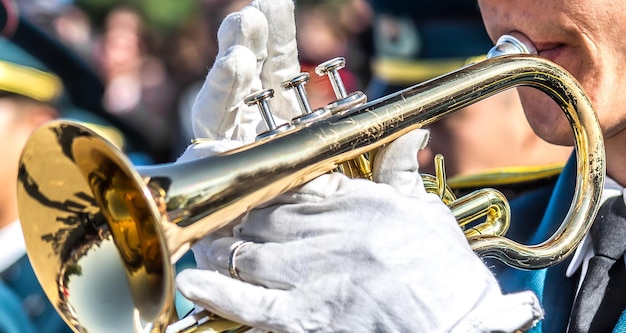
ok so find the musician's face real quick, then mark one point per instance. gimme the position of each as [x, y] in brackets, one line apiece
[587, 38]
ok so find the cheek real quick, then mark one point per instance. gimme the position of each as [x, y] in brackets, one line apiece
[545, 117]
[602, 80]
[496, 14]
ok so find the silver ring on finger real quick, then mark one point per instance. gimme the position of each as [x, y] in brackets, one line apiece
[232, 266]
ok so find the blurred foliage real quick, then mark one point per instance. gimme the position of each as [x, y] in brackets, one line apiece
[160, 15]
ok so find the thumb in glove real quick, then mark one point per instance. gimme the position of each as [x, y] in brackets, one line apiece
[396, 164]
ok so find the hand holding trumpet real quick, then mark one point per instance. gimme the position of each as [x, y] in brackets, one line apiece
[336, 254]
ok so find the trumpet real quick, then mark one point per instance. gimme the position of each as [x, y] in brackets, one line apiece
[103, 235]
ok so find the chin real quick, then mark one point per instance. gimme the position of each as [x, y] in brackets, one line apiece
[545, 117]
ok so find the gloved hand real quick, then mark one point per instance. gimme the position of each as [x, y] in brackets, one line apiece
[343, 254]
[253, 55]
[339, 254]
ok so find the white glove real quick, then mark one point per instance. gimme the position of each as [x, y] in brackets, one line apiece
[343, 254]
[336, 254]
[252, 56]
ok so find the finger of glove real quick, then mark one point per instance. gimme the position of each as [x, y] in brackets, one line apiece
[282, 54]
[315, 307]
[253, 262]
[202, 248]
[219, 111]
[304, 240]
[396, 164]
[233, 299]
[279, 265]
[257, 227]
[247, 27]
[317, 190]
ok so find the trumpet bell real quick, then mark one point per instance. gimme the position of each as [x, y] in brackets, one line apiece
[96, 247]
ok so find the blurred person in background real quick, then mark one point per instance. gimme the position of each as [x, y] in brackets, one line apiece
[63, 20]
[144, 56]
[24, 306]
[417, 41]
[31, 95]
[138, 88]
[74, 28]
[324, 34]
[43, 80]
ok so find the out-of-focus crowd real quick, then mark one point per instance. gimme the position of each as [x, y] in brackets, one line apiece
[152, 72]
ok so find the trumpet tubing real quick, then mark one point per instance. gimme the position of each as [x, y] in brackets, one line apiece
[82, 201]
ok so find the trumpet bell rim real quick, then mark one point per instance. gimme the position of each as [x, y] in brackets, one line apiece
[92, 208]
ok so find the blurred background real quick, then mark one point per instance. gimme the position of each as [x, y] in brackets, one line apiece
[153, 55]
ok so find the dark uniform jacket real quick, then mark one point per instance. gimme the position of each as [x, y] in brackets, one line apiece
[536, 215]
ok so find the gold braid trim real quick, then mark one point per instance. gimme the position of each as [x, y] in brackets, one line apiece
[415, 71]
[29, 82]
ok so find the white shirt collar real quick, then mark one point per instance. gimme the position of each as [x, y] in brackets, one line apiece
[13, 246]
[585, 251]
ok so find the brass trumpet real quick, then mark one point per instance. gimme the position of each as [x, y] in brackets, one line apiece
[83, 204]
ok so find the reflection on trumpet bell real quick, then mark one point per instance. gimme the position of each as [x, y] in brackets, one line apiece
[82, 203]
[90, 259]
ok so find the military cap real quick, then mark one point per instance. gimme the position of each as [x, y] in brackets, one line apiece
[417, 40]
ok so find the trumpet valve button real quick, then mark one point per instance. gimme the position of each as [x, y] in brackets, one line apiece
[260, 98]
[298, 80]
[334, 64]
[331, 69]
[298, 83]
